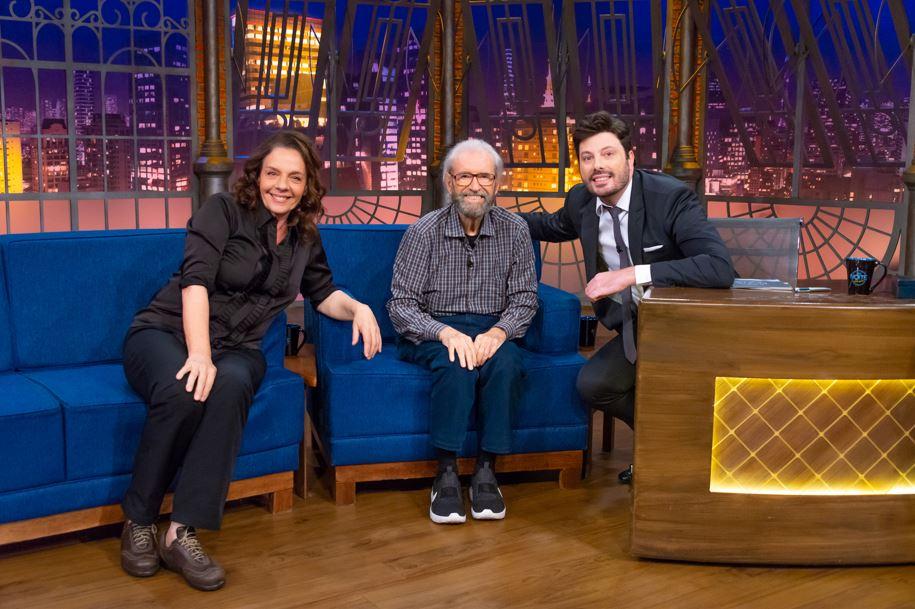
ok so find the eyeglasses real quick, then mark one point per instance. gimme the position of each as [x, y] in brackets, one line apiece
[464, 179]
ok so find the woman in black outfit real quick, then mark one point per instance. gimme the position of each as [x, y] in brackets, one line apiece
[194, 353]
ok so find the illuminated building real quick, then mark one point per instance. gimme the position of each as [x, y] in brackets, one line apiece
[541, 179]
[409, 172]
[114, 160]
[279, 72]
[55, 156]
[11, 168]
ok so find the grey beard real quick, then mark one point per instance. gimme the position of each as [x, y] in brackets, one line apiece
[469, 211]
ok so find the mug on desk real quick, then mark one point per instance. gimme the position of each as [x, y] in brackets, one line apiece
[861, 274]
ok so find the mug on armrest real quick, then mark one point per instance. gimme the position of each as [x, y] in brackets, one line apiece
[293, 342]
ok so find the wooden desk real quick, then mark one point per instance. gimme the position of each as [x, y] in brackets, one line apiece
[755, 442]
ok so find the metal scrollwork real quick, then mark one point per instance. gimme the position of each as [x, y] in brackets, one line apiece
[98, 126]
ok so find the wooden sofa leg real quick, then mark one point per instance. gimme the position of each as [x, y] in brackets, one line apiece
[570, 477]
[300, 477]
[344, 492]
[279, 501]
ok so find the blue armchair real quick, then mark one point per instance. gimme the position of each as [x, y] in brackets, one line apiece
[371, 417]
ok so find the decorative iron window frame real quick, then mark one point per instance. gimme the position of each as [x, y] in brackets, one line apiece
[64, 19]
[328, 77]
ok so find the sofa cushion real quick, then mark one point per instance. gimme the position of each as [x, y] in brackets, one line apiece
[375, 397]
[385, 396]
[76, 293]
[31, 434]
[104, 417]
[277, 416]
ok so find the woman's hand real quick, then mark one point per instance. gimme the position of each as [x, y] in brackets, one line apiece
[365, 325]
[201, 374]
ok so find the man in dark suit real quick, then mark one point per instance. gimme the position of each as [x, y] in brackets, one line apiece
[637, 229]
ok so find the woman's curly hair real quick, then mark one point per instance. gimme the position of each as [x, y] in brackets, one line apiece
[306, 213]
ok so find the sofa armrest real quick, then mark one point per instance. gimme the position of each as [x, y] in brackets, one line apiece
[555, 326]
[333, 343]
[333, 339]
[273, 344]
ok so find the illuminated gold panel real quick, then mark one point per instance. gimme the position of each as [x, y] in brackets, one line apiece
[813, 437]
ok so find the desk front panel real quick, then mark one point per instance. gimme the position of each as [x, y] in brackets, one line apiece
[803, 458]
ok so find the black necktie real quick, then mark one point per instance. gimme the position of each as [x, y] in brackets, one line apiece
[628, 333]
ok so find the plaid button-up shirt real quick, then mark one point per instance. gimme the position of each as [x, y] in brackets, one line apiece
[438, 273]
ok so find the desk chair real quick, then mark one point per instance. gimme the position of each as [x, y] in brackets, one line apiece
[762, 248]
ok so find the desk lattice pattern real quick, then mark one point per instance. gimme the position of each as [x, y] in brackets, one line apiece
[816, 437]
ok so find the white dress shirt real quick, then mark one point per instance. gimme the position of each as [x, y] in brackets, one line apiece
[607, 242]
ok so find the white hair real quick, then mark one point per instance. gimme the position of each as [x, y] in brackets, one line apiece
[471, 143]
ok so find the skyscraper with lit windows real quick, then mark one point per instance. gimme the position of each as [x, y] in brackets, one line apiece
[281, 57]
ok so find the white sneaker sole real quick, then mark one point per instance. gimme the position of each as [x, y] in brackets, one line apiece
[452, 518]
[486, 514]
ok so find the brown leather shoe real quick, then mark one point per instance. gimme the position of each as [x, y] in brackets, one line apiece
[186, 556]
[139, 556]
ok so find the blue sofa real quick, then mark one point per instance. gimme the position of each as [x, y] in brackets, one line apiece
[371, 417]
[69, 422]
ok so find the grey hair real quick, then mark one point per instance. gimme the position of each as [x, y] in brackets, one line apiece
[471, 143]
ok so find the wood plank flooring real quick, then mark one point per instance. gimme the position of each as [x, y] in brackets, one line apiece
[556, 548]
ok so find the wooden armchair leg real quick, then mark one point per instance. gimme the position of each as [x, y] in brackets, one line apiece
[279, 501]
[300, 478]
[609, 428]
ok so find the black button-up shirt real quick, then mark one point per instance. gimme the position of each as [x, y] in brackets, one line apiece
[232, 251]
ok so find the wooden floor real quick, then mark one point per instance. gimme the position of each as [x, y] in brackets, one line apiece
[555, 549]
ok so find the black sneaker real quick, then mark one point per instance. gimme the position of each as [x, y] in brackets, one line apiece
[486, 501]
[447, 504]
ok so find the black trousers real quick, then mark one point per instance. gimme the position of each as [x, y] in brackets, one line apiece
[200, 438]
[607, 382]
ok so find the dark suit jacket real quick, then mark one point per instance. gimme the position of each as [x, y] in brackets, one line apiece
[663, 212]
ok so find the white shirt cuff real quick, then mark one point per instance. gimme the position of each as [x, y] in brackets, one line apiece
[642, 274]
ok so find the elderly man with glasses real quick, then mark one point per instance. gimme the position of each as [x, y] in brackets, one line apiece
[464, 288]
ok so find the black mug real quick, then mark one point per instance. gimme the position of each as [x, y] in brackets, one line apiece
[293, 342]
[587, 331]
[861, 274]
